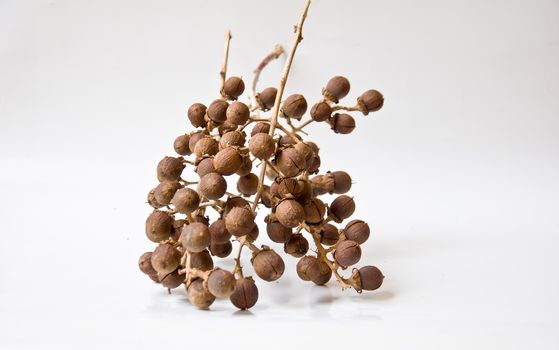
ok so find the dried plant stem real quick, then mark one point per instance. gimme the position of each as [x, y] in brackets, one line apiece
[344, 108]
[300, 127]
[223, 72]
[275, 53]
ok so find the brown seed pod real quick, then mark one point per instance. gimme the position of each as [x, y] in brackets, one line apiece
[239, 221]
[323, 184]
[342, 123]
[246, 166]
[245, 294]
[324, 275]
[260, 127]
[329, 235]
[357, 231]
[237, 113]
[206, 146]
[262, 146]
[342, 182]
[290, 213]
[336, 89]
[217, 111]
[232, 138]
[221, 283]
[313, 164]
[268, 265]
[290, 162]
[221, 250]
[154, 278]
[144, 263]
[151, 200]
[297, 246]
[194, 138]
[227, 161]
[266, 197]
[267, 98]
[347, 253]
[165, 191]
[195, 237]
[286, 187]
[218, 232]
[205, 166]
[177, 229]
[294, 106]
[196, 114]
[314, 211]
[212, 186]
[198, 295]
[248, 184]
[165, 258]
[305, 193]
[308, 267]
[367, 278]
[342, 208]
[233, 87]
[200, 218]
[201, 260]
[181, 145]
[321, 111]
[286, 140]
[186, 200]
[253, 234]
[370, 101]
[159, 225]
[169, 169]
[277, 232]
[171, 280]
[226, 127]
[305, 150]
[233, 202]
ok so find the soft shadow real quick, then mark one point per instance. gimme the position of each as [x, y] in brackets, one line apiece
[372, 296]
[244, 313]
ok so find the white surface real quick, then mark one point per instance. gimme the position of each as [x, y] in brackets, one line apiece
[457, 174]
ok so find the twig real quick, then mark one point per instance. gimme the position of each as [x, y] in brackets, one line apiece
[223, 72]
[344, 108]
[276, 52]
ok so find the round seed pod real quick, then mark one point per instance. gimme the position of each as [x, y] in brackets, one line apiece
[233, 202]
[195, 237]
[212, 186]
[169, 169]
[262, 146]
[221, 283]
[248, 185]
[151, 200]
[357, 231]
[321, 111]
[370, 101]
[297, 246]
[329, 235]
[305, 150]
[227, 161]
[201, 260]
[232, 138]
[226, 127]
[305, 191]
[286, 187]
[159, 225]
[294, 106]
[267, 98]
[314, 164]
[196, 114]
[239, 221]
[290, 213]
[217, 111]
[206, 146]
[194, 138]
[144, 263]
[286, 140]
[337, 88]
[205, 166]
[233, 87]
[218, 232]
[165, 191]
[342, 208]
[367, 278]
[268, 265]
[245, 294]
[313, 146]
[342, 123]
[290, 162]
[253, 234]
[172, 280]
[221, 250]
[201, 219]
[347, 253]
[165, 259]
[278, 233]
[314, 211]
[342, 182]
[237, 113]
[308, 267]
[260, 127]
[323, 184]
[323, 276]
[266, 197]
[181, 145]
[186, 200]
[198, 295]
[246, 166]
[177, 229]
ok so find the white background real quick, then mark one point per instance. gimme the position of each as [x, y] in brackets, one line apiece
[457, 175]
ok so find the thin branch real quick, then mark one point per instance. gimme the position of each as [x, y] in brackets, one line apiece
[344, 108]
[223, 72]
[276, 52]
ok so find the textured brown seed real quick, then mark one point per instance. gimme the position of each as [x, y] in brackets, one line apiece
[329, 235]
[237, 113]
[217, 111]
[260, 127]
[277, 232]
[233, 87]
[221, 283]
[286, 140]
[294, 106]
[336, 88]
[194, 138]
[165, 191]
[297, 246]
[342, 182]
[239, 221]
[321, 111]
[205, 166]
[195, 237]
[305, 191]
[172, 280]
[206, 146]
[371, 277]
[151, 200]
[169, 169]
[290, 162]
[253, 234]
[196, 114]
[232, 138]
[181, 145]
[165, 259]
[218, 232]
[221, 250]
[159, 225]
[314, 211]
[323, 276]
[186, 200]
[357, 231]
[246, 166]
[290, 213]
[262, 146]
[268, 265]
[267, 97]
[248, 184]
[266, 197]
[308, 267]
[198, 295]
[342, 207]
[245, 294]
[226, 127]
[286, 187]
[227, 161]
[145, 264]
[305, 150]
[370, 101]
[212, 186]
[342, 123]
[233, 202]
[347, 253]
[201, 260]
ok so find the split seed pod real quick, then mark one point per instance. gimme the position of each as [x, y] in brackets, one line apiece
[221, 283]
[336, 89]
[347, 253]
[245, 294]
[342, 182]
[144, 263]
[370, 101]
[268, 265]
[239, 221]
[297, 246]
[165, 258]
[172, 280]
[342, 123]
[212, 186]
[278, 233]
[198, 295]
[159, 225]
[308, 267]
[196, 114]
[321, 111]
[217, 111]
[367, 278]
[165, 191]
[324, 275]
[267, 98]
[329, 235]
[342, 207]
[314, 211]
[195, 237]
[294, 106]
[357, 231]
[290, 162]
[233, 87]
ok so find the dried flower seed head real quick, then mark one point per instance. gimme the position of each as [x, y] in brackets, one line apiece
[165, 191]
[347, 253]
[370, 101]
[212, 186]
[196, 114]
[308, 267]
[357, 231]
[198, 295]
[144, 263]
[206, 146]
[169, 169]
[245, 294]
[239, 221]
[314, 211]
[342, 123]
[217, 111]
[159, 225]
[262, 146]
[221, 283]
[294, 106]
[267, 98]
[321, 111]
[342, 182]
[205, 166]
[172, 280]
[336, 89]
[233, 87]
[323, 276]
[227, 161]
[221, 250]
[218, 232]
[201, 260]
[186, 200]
[297, 246]
[246, 166]
[181, 145]
[194, 138]
[233, 202]
[165, 258]
[278, 233]
[196, 237]
[268, 265]
[248, 184]
[237, 113]
[367, 278]
[329, 235]
[290, 162]
[260, 127]
[290, 213]
[232, 138]
[342, 208]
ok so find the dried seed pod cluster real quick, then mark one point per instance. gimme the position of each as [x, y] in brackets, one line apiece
[243, 157]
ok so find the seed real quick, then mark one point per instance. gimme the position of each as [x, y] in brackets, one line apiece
[221, 283]
[268, 265]
[314, 211]
[151, 200]
[227, 161]
[201, 260]
[370, 101]
[181, 145]
[342, 207]
[233, 87]
[337, 88]
[277, 232]
[329, 235]
[233, 202]
[305, 191]
[159, 225]
[239, 221]
[286, 140]
[342, 182]
[246, 166]
[226, 127]
[294, 106]
[287, 187]
[154, 278]
[305, 150]
[198, 295]
[342, 123]
[347, 253]
[165, 258]
[290, 162]
[297, 246]
[245, 294]
[177, 229]
[196, 114]
[323, 184]
[194, 138]
[267, 98]
[186, 200]
[357, 231]
[195, 237]
[212, 186]
[169, 169]
[266, 197]
[253, 234]
[321, 111]
[232, 138]
[324, 275]
[260, 127]
[217, 111]
[206, 146]
[369, 277]
[165, 191]
[237, 113]
[205, 166]
[290, 213]
[171, 280]
[144, 263]
[221, 250]
[218, 232]
[308, 267]
[248, 184]
[262, 146]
